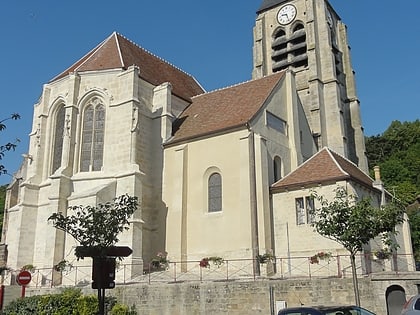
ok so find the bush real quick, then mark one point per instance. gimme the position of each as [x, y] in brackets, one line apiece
[24, 306]
[121, 309]
[68, 302]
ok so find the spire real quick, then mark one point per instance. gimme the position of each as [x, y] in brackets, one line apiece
[268, 4]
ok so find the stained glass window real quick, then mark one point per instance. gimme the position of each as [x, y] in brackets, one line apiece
[91, 157]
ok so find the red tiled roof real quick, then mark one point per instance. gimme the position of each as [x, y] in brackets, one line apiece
[324, 166]
[224, 109]
[118, 52]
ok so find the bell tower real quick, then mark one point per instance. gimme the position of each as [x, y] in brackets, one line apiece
[309, 38]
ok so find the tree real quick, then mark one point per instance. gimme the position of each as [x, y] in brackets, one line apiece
[2, 201]
[97, 229]
[397, 152]
[97, 226]
[353, 223]
[8, 146]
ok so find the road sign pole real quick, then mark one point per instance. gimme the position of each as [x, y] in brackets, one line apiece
[22, 292]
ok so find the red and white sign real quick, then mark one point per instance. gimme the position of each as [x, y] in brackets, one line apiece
[24, 277]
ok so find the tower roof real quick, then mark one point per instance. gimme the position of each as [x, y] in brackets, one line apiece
[224, 109]
[324, 166]
[268, 4]
[117, 52]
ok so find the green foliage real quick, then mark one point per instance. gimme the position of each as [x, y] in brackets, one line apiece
[2, 202]
[28, 305]
[353, 223]
[414, 218]
[9, 146]
[69, 302]
[397, 152]
[121, 309]
[97, 226]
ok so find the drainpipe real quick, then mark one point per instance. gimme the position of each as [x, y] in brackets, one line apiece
[253, 203]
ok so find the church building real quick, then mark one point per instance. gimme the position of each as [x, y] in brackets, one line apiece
[223, 173]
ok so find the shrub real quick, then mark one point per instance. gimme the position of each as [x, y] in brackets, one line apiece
[121, 309]
[69, 302]
[24, 306]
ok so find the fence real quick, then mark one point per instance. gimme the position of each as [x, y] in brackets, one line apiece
[232, 269]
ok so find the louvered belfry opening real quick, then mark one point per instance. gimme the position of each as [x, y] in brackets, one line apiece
[289, 50]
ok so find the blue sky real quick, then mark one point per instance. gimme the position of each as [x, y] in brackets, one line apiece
[212, 40]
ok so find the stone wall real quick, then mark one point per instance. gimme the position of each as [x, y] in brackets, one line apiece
[255, 297]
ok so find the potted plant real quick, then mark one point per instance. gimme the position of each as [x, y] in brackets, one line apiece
[320, 256]
[160, 261]
[63, 265]
[265, 258]
[205, 262]
[383, 254]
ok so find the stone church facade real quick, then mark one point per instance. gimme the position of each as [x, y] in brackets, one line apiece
[218, 173]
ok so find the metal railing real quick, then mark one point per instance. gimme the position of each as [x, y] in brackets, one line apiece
[233, 269]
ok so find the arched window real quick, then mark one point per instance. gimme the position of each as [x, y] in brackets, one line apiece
[215, 192]
[277, 168]
[91, 157]
[58, 138]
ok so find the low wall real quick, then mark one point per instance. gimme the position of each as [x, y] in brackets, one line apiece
[255, 297]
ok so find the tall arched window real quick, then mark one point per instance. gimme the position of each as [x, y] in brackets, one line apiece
[58, 138]
[91, 157]
[215, 192]
[277, 168]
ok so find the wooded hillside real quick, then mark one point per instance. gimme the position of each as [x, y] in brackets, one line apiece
[397, 152]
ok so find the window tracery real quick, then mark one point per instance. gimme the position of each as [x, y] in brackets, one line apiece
[91, 156]
[58, 138]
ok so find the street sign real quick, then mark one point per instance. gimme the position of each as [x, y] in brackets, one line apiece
[24, 278]
[103, 272]
[119, 251]
[112, 251]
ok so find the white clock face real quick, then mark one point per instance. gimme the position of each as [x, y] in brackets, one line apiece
[286, 14]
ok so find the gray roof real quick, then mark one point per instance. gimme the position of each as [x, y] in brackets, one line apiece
[268, 4]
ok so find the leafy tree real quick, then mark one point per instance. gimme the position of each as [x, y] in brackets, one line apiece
[8, 146]
[397, 152]
[2, 201]
[97, 226]
[353, 223]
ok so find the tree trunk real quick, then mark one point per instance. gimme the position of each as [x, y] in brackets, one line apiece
[355, 281]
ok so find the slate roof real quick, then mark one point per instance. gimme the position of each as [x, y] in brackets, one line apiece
[268, 4]
[224, 109]
[117, 52]
[324, 166]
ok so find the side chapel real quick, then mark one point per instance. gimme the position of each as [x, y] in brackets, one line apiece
[222, 173]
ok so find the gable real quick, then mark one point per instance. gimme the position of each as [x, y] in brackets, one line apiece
[325, 166]
[224, 109]
[117, 52]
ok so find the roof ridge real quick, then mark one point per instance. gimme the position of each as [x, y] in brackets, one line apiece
[235, 85]
[154, 55]
[347, 160]
[93, 51]
[330, 153]
[119, 48]
[88, 55]
[301, 165]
